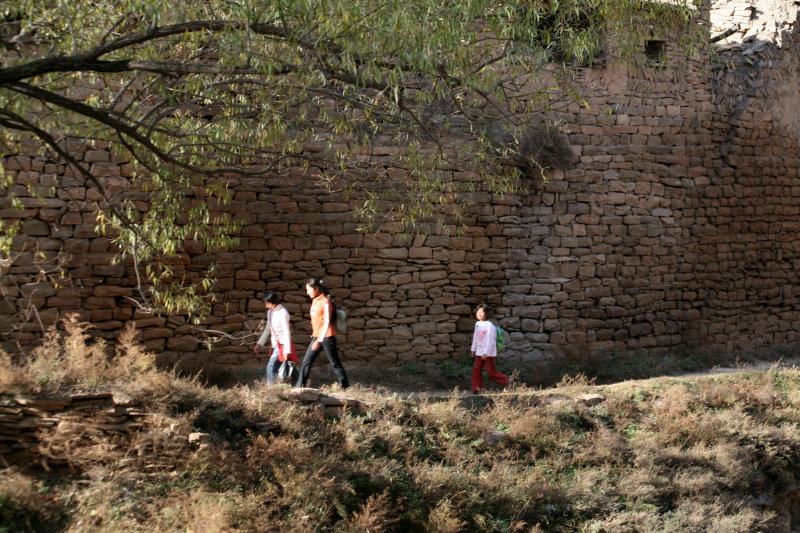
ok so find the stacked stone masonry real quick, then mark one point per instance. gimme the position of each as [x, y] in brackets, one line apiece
[678, 229]
[36, 429]
[47, 430]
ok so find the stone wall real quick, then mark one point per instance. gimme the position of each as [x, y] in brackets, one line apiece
[49, 431]
[678, 229]
[751, 235]
[37, 430]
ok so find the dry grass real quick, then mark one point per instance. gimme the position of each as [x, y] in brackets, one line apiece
[26, 504]
[663, 455]
[69, 359]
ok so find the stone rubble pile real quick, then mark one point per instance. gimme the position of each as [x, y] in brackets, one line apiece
[330, 405]
[25, 421]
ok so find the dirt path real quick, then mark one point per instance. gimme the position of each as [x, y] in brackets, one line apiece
[430, 382]
[759, 366]
[463, 391]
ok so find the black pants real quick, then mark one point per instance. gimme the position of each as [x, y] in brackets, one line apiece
[329, 345]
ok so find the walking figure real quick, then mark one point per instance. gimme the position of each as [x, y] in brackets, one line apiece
[323, 334]
[484, 350]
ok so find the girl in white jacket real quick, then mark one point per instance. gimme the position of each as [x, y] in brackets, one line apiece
[484, 350]
[279, 331]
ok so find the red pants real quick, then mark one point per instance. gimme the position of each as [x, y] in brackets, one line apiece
[477, 373]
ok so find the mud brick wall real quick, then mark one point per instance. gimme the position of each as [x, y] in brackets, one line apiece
[677, 230]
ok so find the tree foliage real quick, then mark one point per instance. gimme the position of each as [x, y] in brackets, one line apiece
[195, 92]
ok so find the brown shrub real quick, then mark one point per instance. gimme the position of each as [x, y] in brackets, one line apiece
[718, 395]
[80, 444]
[688, 516]
[376, 515]
[691, 457]
[539, 430]
[12, 378]
[443, 481]
[601, 447]
[448, 414]
[131, 357]
[117, 504]
[26, 504]
[70, 359]
[591, 489]
[162, 444]
[444, 518]
[623, 412]
[260, 459]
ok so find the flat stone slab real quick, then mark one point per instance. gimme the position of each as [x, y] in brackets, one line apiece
[331, 405]
[200, 438]
[493, 437]
[591, 399]
[45, 404]
[305, 395]
[333, 401]
[91, 396]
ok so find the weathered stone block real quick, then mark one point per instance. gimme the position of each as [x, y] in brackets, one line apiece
[303, 395]
[111, 290]
[427, 328]
[156, 333]
[100, 170]
[380, 240]
[427, 276]
[35, 228]
[348, 240]
[393, 253]
[402, 332]
[183, 343]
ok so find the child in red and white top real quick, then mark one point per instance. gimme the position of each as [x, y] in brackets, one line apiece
[484, 350]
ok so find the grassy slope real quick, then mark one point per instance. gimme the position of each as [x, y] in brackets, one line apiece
[717, 453]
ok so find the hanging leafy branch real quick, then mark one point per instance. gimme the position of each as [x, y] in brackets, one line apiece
[195, 90]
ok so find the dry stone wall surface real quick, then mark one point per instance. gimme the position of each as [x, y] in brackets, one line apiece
[745, 24]
[606, 244]
[40, 430]
[46, 431]
[678, 229]
[751, 234]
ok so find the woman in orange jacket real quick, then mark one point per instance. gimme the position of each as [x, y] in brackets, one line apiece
[323, 334]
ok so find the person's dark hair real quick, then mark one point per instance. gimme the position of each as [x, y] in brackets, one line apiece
[486, 309]
[272, 297]
[318, 283]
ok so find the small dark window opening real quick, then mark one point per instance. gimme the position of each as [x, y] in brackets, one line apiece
[655, 51]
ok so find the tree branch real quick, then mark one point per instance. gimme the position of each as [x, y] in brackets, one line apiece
[120, 127]
[16, 122]
[89, 61]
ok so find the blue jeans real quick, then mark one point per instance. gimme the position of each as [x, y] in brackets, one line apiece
[328, 345]
[272, 367]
